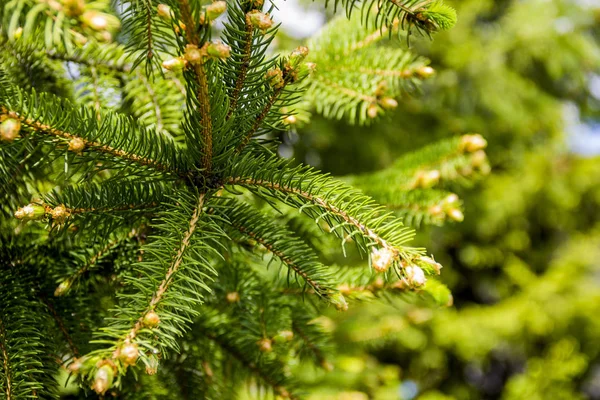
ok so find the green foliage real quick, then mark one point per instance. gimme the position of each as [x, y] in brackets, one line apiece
[141, 201]
[522, 266]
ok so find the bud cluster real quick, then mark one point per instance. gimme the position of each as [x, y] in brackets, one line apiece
[426, 179]
[448, 207]
[382, 101]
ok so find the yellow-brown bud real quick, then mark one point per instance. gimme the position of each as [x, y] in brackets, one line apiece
[9, 129]
[275, 78]
[232, 297]
[259, 20]
[76, 145]
[151, 320]
[129, 353]
[265, 345]
[164, 12]
[214, 10]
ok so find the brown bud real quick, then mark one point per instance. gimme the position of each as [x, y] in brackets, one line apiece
[151, 320]
[425, 71]
[174, 64]
[275, 78]
[76, 145]
[59, 213]
[9, 129]
[164, 12]
[218, 50]
[265, 345]
[388, 103]
[193, 54]
[259, 20]
[232, 297]
[214, 10]
[372, 111]
[103, 379]
[128, 353]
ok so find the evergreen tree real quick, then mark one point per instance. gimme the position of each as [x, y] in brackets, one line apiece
[523, 265]
[152, 243]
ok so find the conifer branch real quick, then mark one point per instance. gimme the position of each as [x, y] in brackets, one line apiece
[345, 91]
[202, 81]
[68, 282]
[93, 145]
[61, 326]
[314, 349]
[243, 69]
[225, 344]
[174, 267]
[4, 351]
[371, 234]
[260, 118]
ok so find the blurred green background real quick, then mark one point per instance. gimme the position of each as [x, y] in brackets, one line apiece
[524, 266]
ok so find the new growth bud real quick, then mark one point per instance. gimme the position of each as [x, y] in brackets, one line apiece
[151, 320]
[427, 179]
[265, 345]
[30, 212]
[232, 297]
[339, 302]
[425, 71]
[63, 288]
[193, 55]
[9, 129]
[18, 33]
[218, 50]
[437, 267]
[164, 12]
[214, 10]
[73, 8]
[275, 78]
[128, 353]
[372, 111]
[259, 20]
[472, 143]
[415, 276]
[283, 336]
[59, 214]
[99, 21]
[76, 145]
[388, 103]
[103, 379]
[382, 259]
[290, 120]
[174, 64]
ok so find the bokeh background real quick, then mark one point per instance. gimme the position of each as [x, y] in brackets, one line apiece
[524, 266]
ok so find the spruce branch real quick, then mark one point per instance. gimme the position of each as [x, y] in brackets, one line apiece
[173, 269]
[202, 94]
[248, 37]
[337, 204]
[88, 144]
[291, 250]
